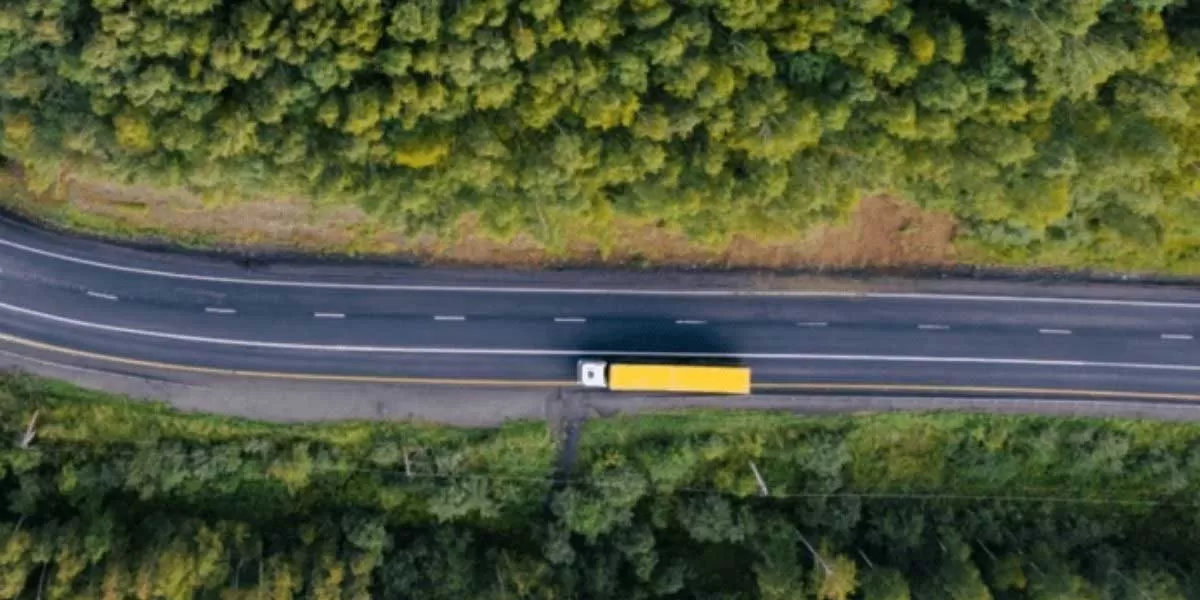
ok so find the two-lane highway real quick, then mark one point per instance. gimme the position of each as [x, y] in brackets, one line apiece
[351, 321]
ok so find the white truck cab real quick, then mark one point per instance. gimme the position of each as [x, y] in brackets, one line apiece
[593, 373]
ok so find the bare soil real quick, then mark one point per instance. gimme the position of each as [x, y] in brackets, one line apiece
[883, 232]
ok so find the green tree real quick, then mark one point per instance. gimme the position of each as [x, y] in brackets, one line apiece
[884, 584]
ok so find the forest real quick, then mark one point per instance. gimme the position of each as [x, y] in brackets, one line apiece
[1047, 128]
[121, 499]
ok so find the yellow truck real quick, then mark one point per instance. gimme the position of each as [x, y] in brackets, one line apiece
[635, 377]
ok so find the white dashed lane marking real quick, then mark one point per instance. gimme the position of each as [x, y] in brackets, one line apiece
[344, 349]
[101, 295]
[928, 327]
[449, 318]
[812, 324]
[1175, 336]
[689, 322]
[219, 311]
[329, 315]
[1054, 331]
[570, 320]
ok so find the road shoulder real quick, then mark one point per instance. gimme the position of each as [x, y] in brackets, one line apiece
[287, 401]
[308, 401]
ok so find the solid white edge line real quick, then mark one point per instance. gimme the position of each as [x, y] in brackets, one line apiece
[570, 320]
[219, 311]
[102, 295]
[1054, 331]
[928, 327]
[1176, 336]
[328, 315]
[601, 291]
[449, 318]
[582, 352]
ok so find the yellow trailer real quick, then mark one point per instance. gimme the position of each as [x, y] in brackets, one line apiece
[631, 377]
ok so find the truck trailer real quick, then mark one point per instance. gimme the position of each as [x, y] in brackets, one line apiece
[681, 378]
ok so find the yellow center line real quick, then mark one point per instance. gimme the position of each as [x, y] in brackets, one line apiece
[970, 389]
[545, 383]
[277, 374]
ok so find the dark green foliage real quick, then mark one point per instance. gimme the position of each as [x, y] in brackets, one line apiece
[119, 500]
[1055, 130]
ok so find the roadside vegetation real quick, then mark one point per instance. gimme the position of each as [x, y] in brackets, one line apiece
[1053, 131]
[115, 499]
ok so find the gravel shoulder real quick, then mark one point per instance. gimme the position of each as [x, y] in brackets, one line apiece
[288, 401]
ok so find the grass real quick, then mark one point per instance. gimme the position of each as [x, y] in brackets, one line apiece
[70, 415]
[882, 233]
[871, 453]
[265, 471]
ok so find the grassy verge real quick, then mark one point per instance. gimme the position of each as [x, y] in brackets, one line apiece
[881, 233]
[181, 449]
[143, 501]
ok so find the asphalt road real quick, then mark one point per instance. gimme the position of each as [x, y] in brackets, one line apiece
[359, 322]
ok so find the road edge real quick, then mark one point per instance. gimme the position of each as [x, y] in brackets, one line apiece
[815, 276]
[310, 401]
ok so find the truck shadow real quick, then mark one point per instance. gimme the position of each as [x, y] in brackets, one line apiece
[659, 343]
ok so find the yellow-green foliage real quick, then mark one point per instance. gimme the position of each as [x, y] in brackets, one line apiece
[1055, 130]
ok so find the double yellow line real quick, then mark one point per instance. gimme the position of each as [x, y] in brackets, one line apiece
[549, 383]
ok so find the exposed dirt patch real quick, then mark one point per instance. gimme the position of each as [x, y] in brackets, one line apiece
[887, 232]
[883, 232]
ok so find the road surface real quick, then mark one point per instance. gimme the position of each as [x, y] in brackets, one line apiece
[363, 322]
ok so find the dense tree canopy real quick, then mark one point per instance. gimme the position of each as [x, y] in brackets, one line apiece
[1041, 124]
[126, 501]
